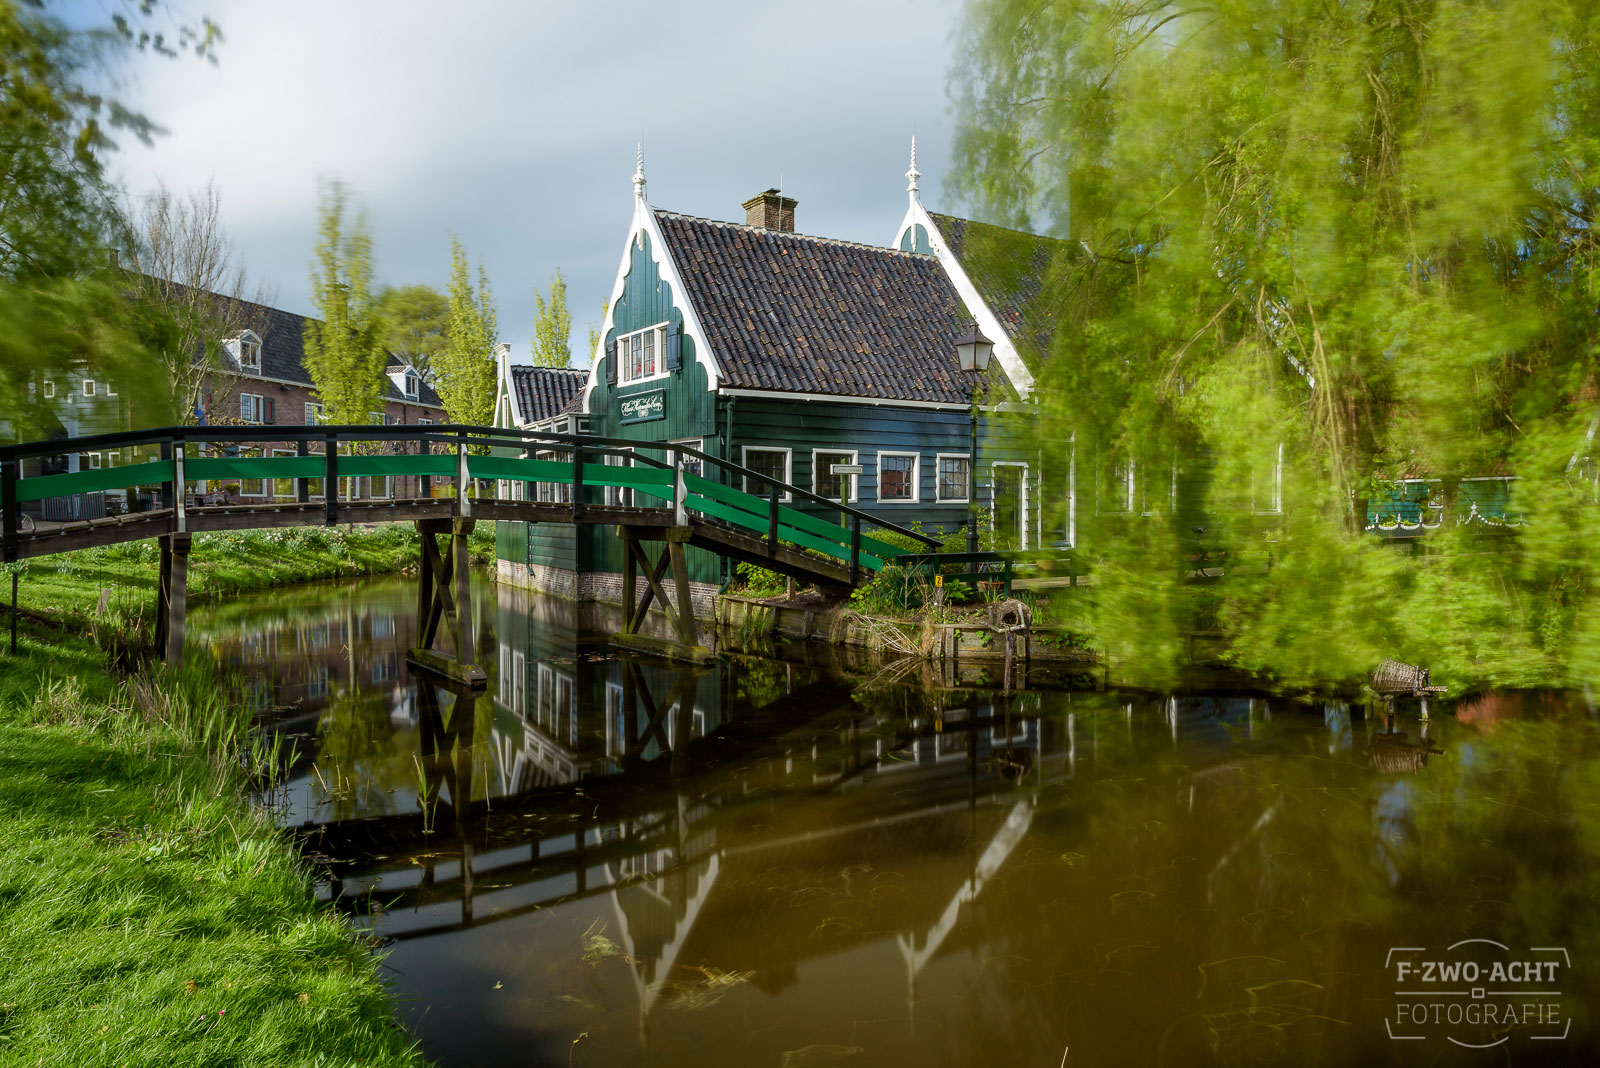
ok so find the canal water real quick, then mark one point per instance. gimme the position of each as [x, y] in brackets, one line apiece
[779, 860]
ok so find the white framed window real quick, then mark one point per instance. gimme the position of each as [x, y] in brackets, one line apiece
[554, 492]
[94, 461]
[619, 495]
[49, 388]
[249, 352]
[424, 422]
[770, 463]
[377, 419]
[824, 483]
[88, 387]
[899, 476]
[1121, 488]
[380, 487]
[953, 484]
[252, 407]
[111, 390]
[283, 487]
[315, 413]
[692, 465]
[642, 355]
[412, 381]
[252, 487]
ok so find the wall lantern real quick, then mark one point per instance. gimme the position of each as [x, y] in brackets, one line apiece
[974, 349]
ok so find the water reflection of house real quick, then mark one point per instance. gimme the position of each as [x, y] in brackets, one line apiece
[301, 656]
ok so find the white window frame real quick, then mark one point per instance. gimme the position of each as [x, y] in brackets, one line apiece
[314, 413]
[111, 390]
[88, 387]
[94, 461]
[378, 418]
[698, 444]
[424, 422]
[855, 480]
[262, 489]
[249, 352]
[916, 477]
[260, 408]
[412, 383]
[788, 466]
[49, 388]
[619, 496]
[294, 489]
[966, 486]
[659, 344]
[553, 492]
[1026, 503]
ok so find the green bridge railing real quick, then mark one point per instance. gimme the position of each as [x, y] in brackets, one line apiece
[184, 455]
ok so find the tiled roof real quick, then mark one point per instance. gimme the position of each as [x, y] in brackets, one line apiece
[805, 314]
[545, 391]
[283, 350]
[1008, 268]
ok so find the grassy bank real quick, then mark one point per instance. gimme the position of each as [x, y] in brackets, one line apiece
[150, 914]
[66, 590]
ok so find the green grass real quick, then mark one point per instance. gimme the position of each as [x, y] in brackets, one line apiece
[150, 913]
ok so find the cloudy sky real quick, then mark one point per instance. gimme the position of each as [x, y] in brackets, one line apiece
[513, 125]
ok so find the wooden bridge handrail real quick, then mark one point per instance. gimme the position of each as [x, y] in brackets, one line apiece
[449, 434]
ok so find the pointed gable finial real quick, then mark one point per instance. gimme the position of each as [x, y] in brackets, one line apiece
[638, 172]
[913, 174]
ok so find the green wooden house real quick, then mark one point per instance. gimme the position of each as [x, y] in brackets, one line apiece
[796, 356]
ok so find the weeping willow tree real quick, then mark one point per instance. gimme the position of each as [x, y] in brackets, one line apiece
[1310, 249]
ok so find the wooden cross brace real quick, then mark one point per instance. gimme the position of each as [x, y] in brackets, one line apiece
[444, 595]
[635, 560]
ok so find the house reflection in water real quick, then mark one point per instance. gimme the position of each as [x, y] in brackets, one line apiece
[764, 859]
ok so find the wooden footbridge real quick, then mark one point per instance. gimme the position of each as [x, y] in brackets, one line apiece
[671, 497]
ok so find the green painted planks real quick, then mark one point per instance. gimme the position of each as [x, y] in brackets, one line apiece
[217, 467]
[39, 487]
[516, 469]
[740, 517]
[438, 466]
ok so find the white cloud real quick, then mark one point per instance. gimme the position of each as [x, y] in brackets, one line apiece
[513, 125]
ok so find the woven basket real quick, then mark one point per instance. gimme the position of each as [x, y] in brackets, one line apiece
[1394, 677]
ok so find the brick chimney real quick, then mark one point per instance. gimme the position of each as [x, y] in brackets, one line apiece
[770, 211]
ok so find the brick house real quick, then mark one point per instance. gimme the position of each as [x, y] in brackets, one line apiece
[264, 382]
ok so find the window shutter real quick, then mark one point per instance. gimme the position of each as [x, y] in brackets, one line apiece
[674, 347]
[270, 407]
[611, 362]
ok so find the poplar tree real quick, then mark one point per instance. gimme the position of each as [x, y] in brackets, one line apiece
[344, 351]
[465, 370]
[552, 326]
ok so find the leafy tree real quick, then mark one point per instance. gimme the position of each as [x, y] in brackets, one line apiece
[552, 328]
[416, 318]
[344, 351]
[60, 305]
[1358, 232]
[466, 367]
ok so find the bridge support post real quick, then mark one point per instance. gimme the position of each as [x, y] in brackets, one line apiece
[685, 644]
[172, 597]
[444, 603]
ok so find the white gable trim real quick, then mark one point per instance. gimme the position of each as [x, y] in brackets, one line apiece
[644, 221]
[1005, 350]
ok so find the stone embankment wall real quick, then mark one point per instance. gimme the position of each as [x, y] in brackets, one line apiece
[955, 642]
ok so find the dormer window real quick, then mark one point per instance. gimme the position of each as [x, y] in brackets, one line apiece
[411, 384]
[247, 347]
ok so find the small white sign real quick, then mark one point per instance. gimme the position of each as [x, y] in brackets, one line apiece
[845, 469]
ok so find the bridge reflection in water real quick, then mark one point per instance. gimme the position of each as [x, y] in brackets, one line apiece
[758, 862]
